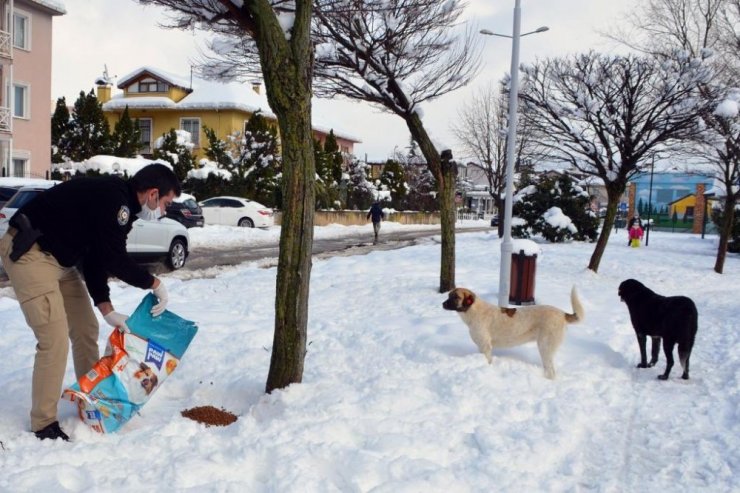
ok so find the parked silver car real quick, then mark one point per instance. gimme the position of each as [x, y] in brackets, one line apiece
[148, 241]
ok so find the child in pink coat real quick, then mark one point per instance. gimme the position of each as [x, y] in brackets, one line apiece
[635, 234]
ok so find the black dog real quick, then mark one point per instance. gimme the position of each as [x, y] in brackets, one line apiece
[673, 318]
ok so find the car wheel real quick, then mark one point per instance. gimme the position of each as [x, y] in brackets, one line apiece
[177, 254]
[245, 222]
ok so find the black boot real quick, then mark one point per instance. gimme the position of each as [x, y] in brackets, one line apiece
[52, 431]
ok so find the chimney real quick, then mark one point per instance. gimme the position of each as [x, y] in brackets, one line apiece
[103, 92]
[256, 86]
[104, 83]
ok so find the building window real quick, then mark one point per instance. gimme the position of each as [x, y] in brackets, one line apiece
[19, 167]
[20, 101]
[21, 30]
[149, 85]
[145, 125]
[192, 125]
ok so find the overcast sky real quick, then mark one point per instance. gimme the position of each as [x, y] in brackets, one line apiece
[125, 35]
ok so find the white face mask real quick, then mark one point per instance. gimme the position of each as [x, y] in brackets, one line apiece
[149, 214]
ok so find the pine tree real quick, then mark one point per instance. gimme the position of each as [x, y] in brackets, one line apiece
[176, 149]
[89, 132]
[126, 136]
[322, 163]
[393, 180]
[217, 149]
[535, 207]
[334, 157]
[329, 170]
[324, 199]
[60, 127]
[259, 161]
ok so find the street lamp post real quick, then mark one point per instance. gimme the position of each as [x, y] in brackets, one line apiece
[506, 244]
[650, 197]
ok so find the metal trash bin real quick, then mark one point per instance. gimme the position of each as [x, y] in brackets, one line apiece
[523, 273]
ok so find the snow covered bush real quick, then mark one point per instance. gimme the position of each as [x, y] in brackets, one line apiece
[360, 191]
[176, 147]
[556, 209]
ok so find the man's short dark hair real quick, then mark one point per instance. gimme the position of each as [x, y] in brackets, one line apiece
[156, 176]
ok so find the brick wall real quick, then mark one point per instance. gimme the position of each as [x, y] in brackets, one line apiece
[699, 209]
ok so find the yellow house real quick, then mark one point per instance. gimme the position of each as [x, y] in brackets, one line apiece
[161, 101]
[683, 206]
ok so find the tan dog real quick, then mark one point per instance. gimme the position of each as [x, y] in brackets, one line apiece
[494, 327]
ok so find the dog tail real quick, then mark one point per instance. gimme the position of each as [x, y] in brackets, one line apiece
[578, 314]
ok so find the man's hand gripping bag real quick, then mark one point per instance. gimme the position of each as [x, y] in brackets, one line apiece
[134, 366]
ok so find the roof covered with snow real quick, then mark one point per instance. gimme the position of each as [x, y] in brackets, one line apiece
[173, 79]
[206, 95]
[54, 6]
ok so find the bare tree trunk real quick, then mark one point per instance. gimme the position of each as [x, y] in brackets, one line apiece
[447, 216]
[499, 208]
[446, 176]
[725, 233]
[606, 228]
[294, 263]
[288, 72]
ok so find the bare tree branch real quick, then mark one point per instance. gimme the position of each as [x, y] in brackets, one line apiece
[607, 115]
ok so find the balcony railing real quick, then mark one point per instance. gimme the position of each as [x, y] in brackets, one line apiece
[6, 47]
[5, 120]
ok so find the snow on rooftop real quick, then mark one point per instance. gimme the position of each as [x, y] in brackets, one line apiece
[54, 5]
[173, 79]
[118, 102]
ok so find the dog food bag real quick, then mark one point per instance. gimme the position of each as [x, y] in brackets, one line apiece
[134, 366]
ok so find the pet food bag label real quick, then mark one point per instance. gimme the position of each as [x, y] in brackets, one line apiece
[134, 366]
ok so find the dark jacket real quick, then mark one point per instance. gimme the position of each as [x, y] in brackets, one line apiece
[376, 212]
[87, 220]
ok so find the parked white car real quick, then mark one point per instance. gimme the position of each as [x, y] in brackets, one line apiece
[148, 241]
[237, 211]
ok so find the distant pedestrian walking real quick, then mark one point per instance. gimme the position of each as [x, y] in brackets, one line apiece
[377, 215]
[635, 233]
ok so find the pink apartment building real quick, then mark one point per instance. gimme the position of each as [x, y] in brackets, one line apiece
[25, 80]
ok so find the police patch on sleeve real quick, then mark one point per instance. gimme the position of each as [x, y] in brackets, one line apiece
[123, 215]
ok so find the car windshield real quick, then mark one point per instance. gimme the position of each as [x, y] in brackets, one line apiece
[22, 198]
[190, 204]
[7, 192]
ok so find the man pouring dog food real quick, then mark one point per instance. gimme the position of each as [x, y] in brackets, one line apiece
[78, 228]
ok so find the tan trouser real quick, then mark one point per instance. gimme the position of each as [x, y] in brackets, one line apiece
[56, 306]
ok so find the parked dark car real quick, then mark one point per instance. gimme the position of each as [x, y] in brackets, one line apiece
[494, 220]
[186, 211]
[6, 193]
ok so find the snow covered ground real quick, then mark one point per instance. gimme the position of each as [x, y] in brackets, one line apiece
[395, 397]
